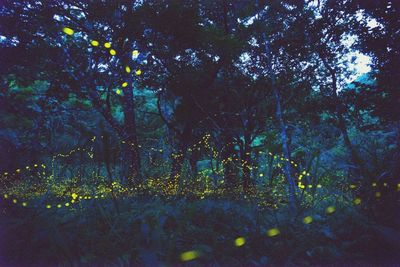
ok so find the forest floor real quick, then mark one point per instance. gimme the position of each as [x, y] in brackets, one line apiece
[151, 231]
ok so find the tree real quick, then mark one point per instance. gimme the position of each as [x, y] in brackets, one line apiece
[279, 48]
[75, 41]
[379, 37]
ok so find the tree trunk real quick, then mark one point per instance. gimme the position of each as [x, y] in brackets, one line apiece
[286, 150]
[228, 156]
[131, 143]
[284, 138]
[178, 159]
[248, 185]
[194, 157]
[107, 161]
[340, 110]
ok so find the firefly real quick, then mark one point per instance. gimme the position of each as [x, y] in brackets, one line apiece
[68, 31]
[94, 43]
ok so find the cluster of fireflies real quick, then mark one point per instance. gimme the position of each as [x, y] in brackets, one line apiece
[203, 143]
[108, 45]
[75, 198]
[171, 189]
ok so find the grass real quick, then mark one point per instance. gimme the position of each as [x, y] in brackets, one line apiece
[155, 231]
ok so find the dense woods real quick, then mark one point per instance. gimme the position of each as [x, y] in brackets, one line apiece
[199, 133]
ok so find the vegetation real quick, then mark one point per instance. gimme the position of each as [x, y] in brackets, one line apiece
[199, 133]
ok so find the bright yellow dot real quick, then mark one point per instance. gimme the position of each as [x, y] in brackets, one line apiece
[330, 209]
[24, 204]
[5, 196]
[373, 184]
[138, 72]
[74, 195]
[58, 205]
[73, 201]
[118, 91]
[18, 170]
[357, 201]
[107, 45]
[125, 84]
[384, 184]
[307, 220]
[273, 232]
[310, 186]
[353, 186]
[128, 69]
[48, 206]
[378, 194]
[94, 43]
[15, 201]
[67, 204]
[68, 31]
[35, 165]
[319, 186]
[135, 53]
[261, 175]
[113, 52]
[189, 255]
[240, 241]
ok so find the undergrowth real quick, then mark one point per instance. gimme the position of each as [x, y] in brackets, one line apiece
[150, 231]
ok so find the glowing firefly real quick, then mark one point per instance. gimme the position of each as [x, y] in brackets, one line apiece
[94, 43]
[68, 31]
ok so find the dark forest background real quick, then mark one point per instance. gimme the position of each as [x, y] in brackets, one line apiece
[199, 133]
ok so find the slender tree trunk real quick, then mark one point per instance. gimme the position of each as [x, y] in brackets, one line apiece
[248, 185]
[286, 150]
[178, 159]
[107, 161]
[340, 110]
[131, 143]
[228, 156]
[194, 157]
[271, 175]
[282, 125]
[353, 153]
